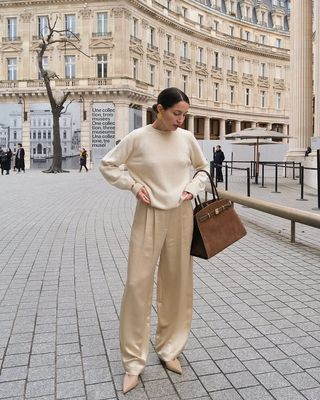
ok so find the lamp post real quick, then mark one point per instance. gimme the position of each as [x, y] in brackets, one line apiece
[22, 101]
[84, 111]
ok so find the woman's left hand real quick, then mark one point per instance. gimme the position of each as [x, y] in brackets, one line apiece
[187, 196]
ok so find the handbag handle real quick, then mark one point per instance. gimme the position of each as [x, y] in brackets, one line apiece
[215, 193]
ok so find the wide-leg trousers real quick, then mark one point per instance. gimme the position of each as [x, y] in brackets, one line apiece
[163, 235]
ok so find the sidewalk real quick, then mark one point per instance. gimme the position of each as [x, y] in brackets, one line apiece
[64, 243]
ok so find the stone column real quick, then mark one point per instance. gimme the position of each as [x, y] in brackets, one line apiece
[301, 77]
[206, 128]
[144, 116]
[269, 126]
[317, 68]
[191, 123]
[253, 124]
[238, 126]
[25, 133]
[121, 120]
[222, 129]
[85, 130]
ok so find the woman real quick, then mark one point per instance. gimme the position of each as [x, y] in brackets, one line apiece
[159, 158]
[6, 161]
[83, 159]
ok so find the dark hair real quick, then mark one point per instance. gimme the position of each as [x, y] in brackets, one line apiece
[169, 97]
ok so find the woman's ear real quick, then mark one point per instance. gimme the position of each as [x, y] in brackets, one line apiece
[159, 108]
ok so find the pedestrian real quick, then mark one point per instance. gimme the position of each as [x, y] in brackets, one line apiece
[83, 159]
[308, 151]
[218, 158]
[19, 160]
[6, 161]
[158, 158]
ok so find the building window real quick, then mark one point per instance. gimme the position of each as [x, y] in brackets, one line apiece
[39, 134]
[34, 134]
[216, 91]
[231, 30]
[43, 26]
[135, 28]
[278, 72]
[15, 135]
[70, 67]
[216, 59]
[135, 68]
[168, 78]
[64, 134]
[152, 33]
[278, 100]
[49, 135]
[169, 2]
[152, 70]
[263, 70]
[184, 83]
[12, 69]
[263, 98]
[70, 25]
[200, 19]
[184, 12]
[45, 62]
[232, 63]
[231, 94]
[102, 65]
[262, 39]
[200, 54]
[278, 43]
[184, 49]
[215, 25]
[200, 88]
[44, 134]
[102, 23]
[168, 43]
[12, 28]
[247, 97]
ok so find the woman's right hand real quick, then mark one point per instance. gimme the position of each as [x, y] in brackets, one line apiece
[143, 195]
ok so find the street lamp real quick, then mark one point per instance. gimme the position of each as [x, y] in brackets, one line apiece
[84, 111]
[22, 101]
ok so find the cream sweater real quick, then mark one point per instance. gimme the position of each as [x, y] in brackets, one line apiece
[160, 161]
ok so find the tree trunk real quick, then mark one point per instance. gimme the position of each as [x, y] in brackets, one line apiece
[56, 165]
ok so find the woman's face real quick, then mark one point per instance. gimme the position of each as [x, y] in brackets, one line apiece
[173, 117]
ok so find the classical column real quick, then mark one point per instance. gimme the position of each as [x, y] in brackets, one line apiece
[301, 77]
[25, 133]
[253, 124]
[206, 128]
[317, 68]
[222, 129]
[269, 126]
[121, 120]
[85, 131]
[144, 116]
[191, 123]
[238, 126]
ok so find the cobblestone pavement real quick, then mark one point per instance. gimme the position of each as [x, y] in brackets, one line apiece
[64, 242]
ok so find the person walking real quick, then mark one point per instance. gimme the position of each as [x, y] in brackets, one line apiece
[218, 158]
[6, 161]
[159, 158]
[83, 159]
[19, 160]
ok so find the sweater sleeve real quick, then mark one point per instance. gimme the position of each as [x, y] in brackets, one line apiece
[111, 169]
[198, 161]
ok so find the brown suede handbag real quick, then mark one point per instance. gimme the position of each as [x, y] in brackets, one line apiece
[216, 225]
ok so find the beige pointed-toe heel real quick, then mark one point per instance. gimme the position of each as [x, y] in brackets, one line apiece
[174, 366]
[129, 382]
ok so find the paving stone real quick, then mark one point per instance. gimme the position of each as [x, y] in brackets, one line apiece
[287, 393]
[215, 382]
[302, 380]
[207, 367]
[159, 388]
[67, 390]
[40, 388]
[242, 379]
[227, 394]
[255, 393]
[272, 380]
[100, 391]
[10, 389]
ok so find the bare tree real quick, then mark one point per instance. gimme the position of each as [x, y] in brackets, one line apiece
[56, 100]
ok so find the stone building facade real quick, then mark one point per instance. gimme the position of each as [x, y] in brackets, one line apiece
[230, 57]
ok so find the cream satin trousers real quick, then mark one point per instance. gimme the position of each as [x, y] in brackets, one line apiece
[166, 234]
